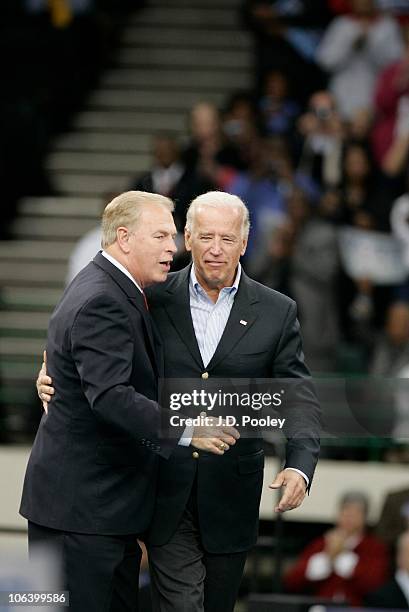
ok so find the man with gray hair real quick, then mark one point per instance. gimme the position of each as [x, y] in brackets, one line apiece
[218, 323]
[90, 483]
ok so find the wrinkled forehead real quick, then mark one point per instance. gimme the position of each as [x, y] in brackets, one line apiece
[218, 219]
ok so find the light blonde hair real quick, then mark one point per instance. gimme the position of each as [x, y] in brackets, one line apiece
[218, 199]
[125, 210]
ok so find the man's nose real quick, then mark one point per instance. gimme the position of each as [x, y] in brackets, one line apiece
[216, 247]
[172, 246]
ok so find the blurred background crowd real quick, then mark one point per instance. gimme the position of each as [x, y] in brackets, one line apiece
[318, 149]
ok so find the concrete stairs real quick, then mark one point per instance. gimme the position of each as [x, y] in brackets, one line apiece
[173, 54]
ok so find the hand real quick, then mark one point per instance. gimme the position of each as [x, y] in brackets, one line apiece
[214, 438]
[294, 492]
[45, 392]
[334, 542]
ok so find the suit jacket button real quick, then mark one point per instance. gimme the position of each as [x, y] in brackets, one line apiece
[205, 375]
[203, 414]
[195, 455]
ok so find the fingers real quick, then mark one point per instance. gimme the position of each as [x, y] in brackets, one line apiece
[232, 431]
[278, 482]
[294, 492]
[292, 498]
[228, 440]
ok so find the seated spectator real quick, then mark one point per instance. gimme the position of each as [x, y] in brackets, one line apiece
[346, 563]
[171, 177]
[395, 593]
[353, 50]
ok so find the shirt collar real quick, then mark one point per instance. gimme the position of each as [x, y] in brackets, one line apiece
[198, 288]
[118, 265]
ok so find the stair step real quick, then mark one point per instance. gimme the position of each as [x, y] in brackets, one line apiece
[100, 142]
[11, 322]
[24, 298]
[179, 80]
[216, 60]
[54, 227]
[27, 349]
[60, 206]
[111, 163]
[90, 184]
[133, 100]
[131, 122]
[169, 37]
[205, 18]
[35, 250]
[20, 372]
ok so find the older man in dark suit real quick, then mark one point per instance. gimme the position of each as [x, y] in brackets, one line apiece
[90, 484]
[217, 322]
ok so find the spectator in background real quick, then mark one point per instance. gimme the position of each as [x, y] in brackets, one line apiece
[314, 274]
[322, 137]
[391, 352]
[209, 153]
[302, 261]
[278, 110]
[394, 517]
[390, 136]
[353, 50]
[263, 187]
[171, 177]
[346, 563]
[395, 593]
[241, 124]
[287, 34]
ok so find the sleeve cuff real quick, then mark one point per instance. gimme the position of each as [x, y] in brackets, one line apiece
[187, 436]
[307, 480]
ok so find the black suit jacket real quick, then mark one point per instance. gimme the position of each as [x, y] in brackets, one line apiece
[389, 596]
[269, 346]
[94, 462]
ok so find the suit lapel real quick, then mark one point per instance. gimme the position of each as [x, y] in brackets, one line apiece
[178, 310]
[136, 298]
[242, 316]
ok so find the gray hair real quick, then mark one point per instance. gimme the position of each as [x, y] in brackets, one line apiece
[218, 199]
[355, 497]
[125, 210]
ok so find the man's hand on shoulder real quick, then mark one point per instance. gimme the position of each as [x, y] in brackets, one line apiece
[43, 384]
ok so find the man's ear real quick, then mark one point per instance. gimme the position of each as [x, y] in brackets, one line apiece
[188, 240]
[244, 247]
[122, 238]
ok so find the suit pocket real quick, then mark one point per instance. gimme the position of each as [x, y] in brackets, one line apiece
[118, 455]
[248, 464]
